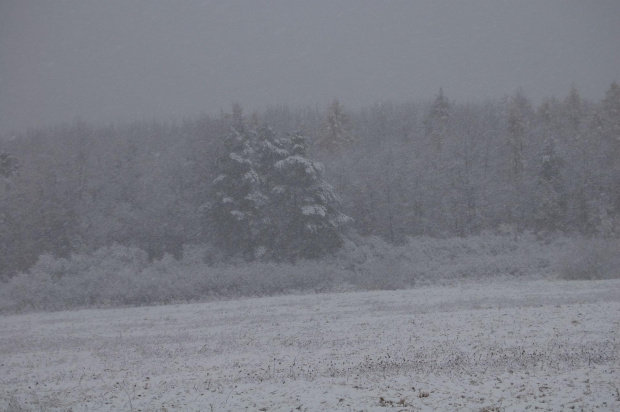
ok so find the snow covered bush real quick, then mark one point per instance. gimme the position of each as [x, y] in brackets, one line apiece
[82, 280]
[374, 264]
[591, 259]
[122, 276]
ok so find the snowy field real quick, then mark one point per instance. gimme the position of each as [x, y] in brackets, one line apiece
[537, 345]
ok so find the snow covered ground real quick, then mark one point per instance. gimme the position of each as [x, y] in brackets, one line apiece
[537, 345]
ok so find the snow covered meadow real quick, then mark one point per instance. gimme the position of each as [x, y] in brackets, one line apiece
[471, 346]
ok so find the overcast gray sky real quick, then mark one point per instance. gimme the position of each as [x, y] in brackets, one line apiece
[116, 60]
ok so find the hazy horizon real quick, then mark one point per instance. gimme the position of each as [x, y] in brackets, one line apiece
[124, 60]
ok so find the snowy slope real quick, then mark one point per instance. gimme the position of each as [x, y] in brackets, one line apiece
[478, 347]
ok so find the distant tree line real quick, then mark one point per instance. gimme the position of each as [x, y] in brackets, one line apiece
[282, 184]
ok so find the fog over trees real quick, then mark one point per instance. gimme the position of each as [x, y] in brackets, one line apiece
[293, 182]
[249, 133]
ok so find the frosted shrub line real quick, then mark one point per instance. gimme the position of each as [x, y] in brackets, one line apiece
[122, 276]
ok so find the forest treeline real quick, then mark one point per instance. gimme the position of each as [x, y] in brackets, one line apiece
[437, 168]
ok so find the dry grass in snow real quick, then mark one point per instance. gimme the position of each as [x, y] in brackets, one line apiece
[476, 347]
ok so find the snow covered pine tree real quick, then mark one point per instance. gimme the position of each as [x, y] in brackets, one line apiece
[306, 203]
[271, 201]
[235, 212]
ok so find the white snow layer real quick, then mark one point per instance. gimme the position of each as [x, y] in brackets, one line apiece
[314, 210]
[546, 345]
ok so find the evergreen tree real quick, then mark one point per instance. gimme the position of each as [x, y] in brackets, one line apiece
[238, 198]
[552, 202]
[610, 146]
[518, 125]
[573, 110]
[437, 121]
[305, 202]
[8, 164]
[611, 112]
[518, 109]
[270, 150]
[336, 131]
[271, 201]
